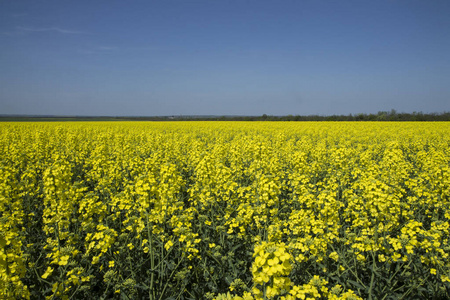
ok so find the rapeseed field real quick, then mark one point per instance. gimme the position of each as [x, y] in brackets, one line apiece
[224, 210]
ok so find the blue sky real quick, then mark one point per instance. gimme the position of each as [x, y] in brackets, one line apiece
[147, 58]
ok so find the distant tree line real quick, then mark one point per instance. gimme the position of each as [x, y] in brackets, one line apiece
[380, 116]
[392, 115]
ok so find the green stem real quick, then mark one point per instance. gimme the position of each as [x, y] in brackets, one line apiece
[167, 282]
[151, 292]
[372, 279]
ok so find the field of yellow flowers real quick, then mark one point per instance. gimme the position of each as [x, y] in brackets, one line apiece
[223, 210]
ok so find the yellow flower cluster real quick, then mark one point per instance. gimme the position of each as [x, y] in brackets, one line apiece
[270, 270]
[12, 260]
[223, 210]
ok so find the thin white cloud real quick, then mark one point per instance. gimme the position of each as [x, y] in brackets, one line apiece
[144, 48]
[99, 50]
[54, 29]
[8, 33]
[113, 49]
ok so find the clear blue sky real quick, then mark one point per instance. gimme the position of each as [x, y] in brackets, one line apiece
[146, 58]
